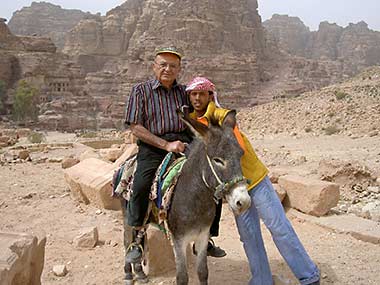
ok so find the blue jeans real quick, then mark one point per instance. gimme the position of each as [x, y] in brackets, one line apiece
[267, 206]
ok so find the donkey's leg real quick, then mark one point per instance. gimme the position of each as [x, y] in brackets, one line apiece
[180, 261]
[201, 248]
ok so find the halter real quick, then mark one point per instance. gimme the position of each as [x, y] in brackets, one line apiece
[222, 187]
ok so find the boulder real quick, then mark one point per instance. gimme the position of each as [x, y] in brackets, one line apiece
[110, 154]
[159, 253]
[21, 258]
[60, 270]
[90, 180]
[310, 196]
[68, 162]
[88, 238]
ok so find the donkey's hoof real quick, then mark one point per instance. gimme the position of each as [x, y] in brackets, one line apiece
[128, 281]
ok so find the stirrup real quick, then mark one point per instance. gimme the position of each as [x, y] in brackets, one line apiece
[130, 247]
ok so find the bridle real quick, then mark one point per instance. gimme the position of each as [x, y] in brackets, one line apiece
[223, 187]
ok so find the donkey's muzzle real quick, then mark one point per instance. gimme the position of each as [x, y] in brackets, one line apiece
[238, 199]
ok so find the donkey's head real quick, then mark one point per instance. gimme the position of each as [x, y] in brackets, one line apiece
[222, 172]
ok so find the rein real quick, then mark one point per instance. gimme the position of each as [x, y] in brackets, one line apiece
[222, 187]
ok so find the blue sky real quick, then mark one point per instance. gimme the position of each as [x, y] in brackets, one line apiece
[311, 12]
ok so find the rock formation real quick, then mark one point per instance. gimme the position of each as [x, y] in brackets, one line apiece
[64, 103]
[356, 45]
[290, 32]
[45, 19]
[215, 45]
[88, 84]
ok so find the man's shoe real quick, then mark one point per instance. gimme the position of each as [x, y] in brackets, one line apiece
[215, 251]
[315, 283]
[134, 254]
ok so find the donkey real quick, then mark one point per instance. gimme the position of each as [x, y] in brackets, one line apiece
[212, 171]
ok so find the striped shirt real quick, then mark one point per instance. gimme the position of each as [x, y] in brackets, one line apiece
[154, 107]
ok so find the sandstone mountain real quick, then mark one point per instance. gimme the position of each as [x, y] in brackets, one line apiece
[88, 84]
[217, 41]
[47, 20]
[356, 46]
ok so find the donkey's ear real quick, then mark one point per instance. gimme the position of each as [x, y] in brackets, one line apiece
[230, 119]
[198, 129]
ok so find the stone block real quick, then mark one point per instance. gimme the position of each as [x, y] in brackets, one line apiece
[159, 254]
[110, 154]
[21, 258]
[310, 196]
[90, 180]
[88, 238]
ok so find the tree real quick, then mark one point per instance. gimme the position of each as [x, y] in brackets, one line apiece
[25, 102]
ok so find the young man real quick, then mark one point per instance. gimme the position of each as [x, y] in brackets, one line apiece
[265, 203]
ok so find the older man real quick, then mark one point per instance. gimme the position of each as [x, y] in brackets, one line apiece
[152, 117]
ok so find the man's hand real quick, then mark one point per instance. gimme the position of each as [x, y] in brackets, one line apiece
[176, 146]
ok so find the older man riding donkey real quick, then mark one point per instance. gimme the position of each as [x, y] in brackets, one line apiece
[152, 117]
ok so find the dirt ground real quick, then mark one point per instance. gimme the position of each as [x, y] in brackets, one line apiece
[34, 198]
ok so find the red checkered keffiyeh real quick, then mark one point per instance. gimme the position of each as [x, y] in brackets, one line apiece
[202, 83]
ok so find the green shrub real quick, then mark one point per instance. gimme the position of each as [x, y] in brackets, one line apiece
[331, 114]
[330, 130]
[36, 137]
[89, 135]
[308, 130]
[25, 102]
[339, 95]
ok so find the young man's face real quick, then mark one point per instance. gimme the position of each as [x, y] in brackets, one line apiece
[199, 99]
[166, 67]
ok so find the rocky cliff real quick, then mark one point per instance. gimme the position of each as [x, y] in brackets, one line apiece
[45, 19]
[356, 45]
[103, 56]
[290, 32]
[63, 101]
[218, 41]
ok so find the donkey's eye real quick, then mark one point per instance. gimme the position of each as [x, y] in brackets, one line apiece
[218, 161]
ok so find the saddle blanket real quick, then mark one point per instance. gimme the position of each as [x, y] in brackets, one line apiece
[162, 188]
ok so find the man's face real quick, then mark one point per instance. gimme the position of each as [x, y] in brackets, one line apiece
[199, 99]
[166, 67]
